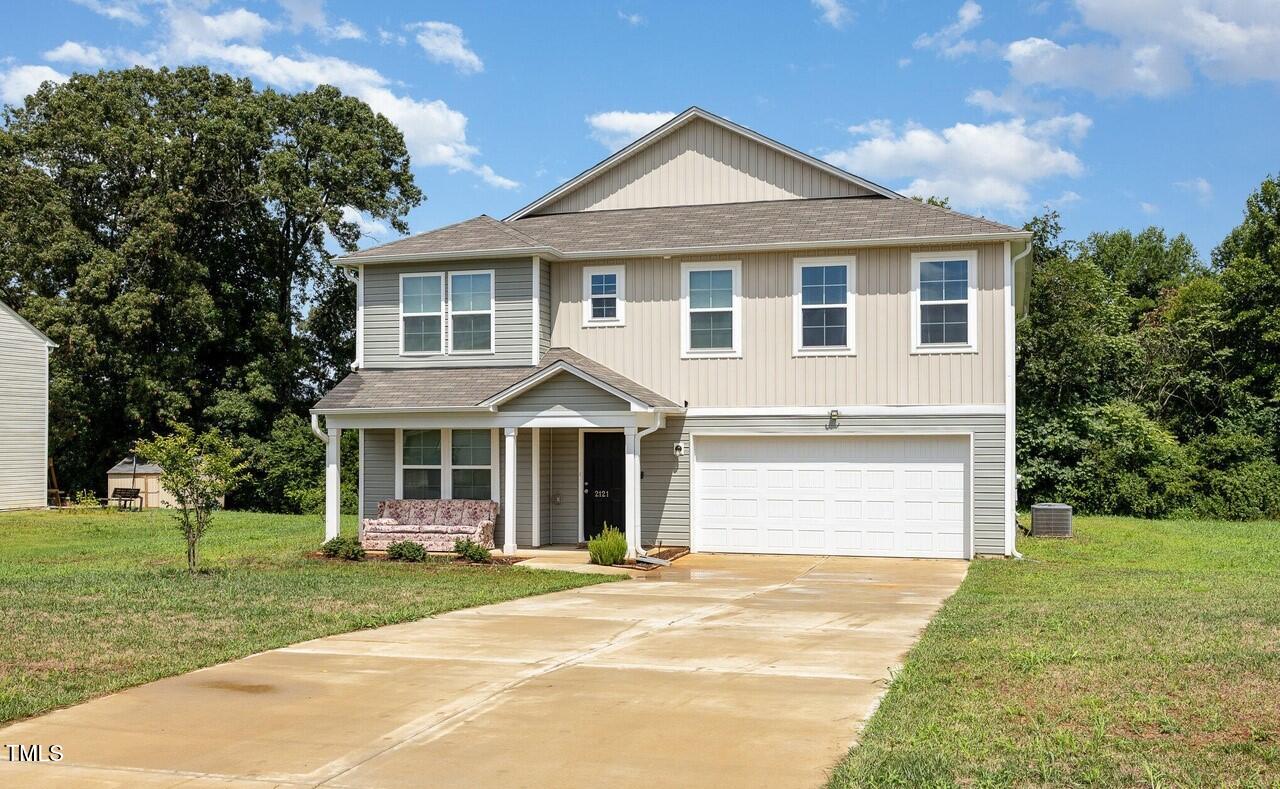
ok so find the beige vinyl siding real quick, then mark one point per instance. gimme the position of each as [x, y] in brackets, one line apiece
[702, 163]
[379, 466]
[513, 314]
[568, 393]
[24, 404]
[666, 483]
[884, 371]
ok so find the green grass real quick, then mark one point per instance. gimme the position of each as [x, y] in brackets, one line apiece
[1139, 653]
[92, 603]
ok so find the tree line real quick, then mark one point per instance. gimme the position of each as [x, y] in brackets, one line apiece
[172, 231]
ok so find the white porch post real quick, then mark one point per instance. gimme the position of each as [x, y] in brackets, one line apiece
[332, 484]
[632, 472]
[536, 500]
[509, 497]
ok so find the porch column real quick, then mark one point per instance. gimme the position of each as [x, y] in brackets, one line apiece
[535, 501]
[332, 483]
[509, 496]
[632, 473]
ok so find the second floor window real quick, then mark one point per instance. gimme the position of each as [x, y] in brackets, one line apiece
[943, 301]
[824, 305]
[420, 298]
[603, 295]
[471, 312]
[712, 320]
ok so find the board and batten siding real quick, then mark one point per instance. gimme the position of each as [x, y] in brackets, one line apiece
[665, 496]
[884, 371]
[701, 163]
[24, 415]
[513, 314]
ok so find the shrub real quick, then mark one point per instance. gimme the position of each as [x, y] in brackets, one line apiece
[343, 548]
[406, 551]
[471, 551]
[1249, 491]
[608, 547]
[85, 500]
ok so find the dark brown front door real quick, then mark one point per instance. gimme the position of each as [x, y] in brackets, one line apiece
[604, 488]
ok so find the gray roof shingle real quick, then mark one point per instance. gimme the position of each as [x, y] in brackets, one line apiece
[462, 387]
[775, 222]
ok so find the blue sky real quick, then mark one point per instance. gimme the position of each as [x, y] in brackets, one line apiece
[1119, 113]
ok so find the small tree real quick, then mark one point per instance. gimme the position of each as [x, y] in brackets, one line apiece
[197, 471]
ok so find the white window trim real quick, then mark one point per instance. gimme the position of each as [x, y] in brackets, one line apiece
[403, 314]
[714, 353]
[492, 466]
[401, 466]
[797, 327]
[971, 256]
[620, 297]
[492, 312]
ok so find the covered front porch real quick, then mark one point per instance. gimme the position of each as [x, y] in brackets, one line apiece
[559, 450]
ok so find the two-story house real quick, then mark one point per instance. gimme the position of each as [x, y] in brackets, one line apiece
[708, 339]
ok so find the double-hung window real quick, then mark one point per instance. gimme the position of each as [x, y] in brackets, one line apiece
[603, 295]
[824, 290]
[420, 299]
[471, 312]
[420, 455]
[471, 456]
[711, 321]
[944, 302]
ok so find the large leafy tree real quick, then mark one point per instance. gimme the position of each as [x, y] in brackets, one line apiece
[169, 230]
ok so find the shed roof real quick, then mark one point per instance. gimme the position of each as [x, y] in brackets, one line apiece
[126, 467]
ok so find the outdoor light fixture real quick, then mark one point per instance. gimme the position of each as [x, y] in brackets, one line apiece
[678, 449]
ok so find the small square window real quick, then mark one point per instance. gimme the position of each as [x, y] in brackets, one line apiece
[603, 295]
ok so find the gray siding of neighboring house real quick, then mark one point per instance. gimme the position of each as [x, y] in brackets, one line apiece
[565, 392]
[24, 409]
[666, 493]
[513, 314]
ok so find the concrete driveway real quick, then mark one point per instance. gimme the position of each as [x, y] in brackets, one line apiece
[730, 671]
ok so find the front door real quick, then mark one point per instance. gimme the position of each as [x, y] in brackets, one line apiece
[604, 491]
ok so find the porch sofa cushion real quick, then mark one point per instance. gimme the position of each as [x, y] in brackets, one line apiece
[433, 523]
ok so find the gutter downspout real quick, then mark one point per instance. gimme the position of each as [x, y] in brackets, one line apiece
[661, 423]
[315, 428]
[1012, 404]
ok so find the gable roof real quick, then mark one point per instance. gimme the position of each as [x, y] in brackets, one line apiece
[666, 129]
[481, 234]
[6, 309]
[472, 388]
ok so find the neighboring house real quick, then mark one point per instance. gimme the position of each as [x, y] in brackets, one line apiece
[709, 339]
[24, 412]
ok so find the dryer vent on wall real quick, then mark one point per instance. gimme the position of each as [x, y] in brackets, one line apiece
[1050, 520]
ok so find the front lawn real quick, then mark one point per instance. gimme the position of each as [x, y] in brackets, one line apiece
[1139, 653]
[92, 603]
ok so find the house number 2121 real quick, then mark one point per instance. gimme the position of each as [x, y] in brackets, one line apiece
[602, 494]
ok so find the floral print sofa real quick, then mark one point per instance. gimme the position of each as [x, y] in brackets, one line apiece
[434, 523]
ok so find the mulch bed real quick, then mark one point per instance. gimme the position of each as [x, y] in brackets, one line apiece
[381, 556]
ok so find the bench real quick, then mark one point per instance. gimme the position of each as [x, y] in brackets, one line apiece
[432, 523]
[126, 498]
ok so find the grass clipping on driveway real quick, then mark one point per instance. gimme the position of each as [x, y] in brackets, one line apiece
[96, 602]
[1139, 653]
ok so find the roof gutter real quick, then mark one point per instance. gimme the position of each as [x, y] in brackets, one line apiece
[552, 253]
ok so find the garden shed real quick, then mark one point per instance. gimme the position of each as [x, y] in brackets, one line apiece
[134, 473]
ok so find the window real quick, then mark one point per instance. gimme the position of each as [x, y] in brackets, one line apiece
[471, 312]
[711, 322]
[824, 289]
[420, 300]
[603, 295]
[472, 469]
[420, 464]
[943, 301]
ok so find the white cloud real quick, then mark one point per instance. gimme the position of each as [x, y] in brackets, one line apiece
[978, 166]
[435, 133]
[77, 53]
[120, 10]
[876, 127]
[834, 12]
[1066, 198]
[950, 40]
[635, 20]
[368, 226]
[1199, 187]
[238, 25]
[1153, 42]
[904, 62]
[1011, 101]
[1150, 209]
[387, 37]
[616, 128]
[21, 81]
[444, 43]
[304, 14]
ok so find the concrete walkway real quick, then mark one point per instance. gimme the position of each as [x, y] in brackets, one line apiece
[722, 671]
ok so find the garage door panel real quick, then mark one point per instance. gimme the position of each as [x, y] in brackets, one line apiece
[881, 496]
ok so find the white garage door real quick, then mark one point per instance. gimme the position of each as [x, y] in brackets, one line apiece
[882, 496]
